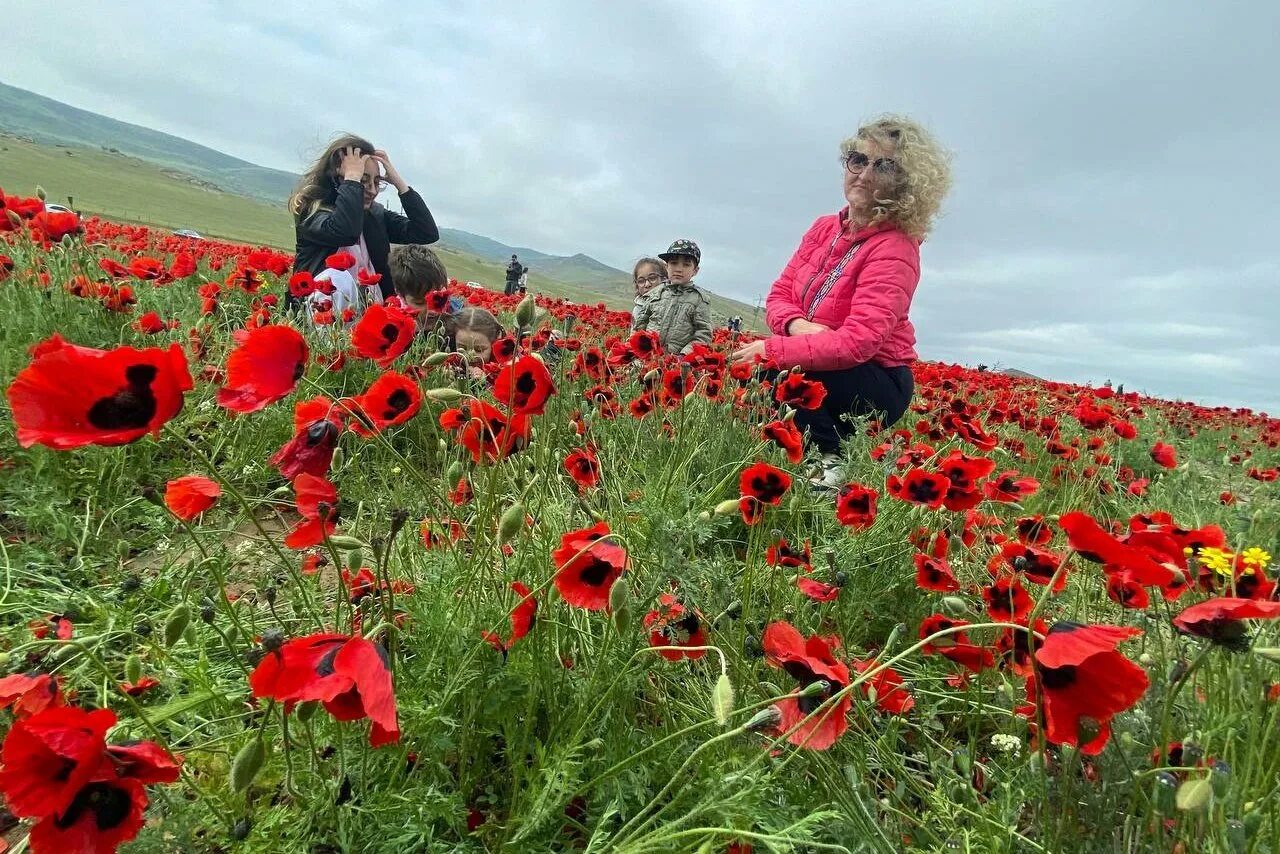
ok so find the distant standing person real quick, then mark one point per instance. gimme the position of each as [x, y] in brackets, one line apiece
[647, 274]
[678, 310]
[514, 271]
[524, 280]
[839, 311]
[334, 208]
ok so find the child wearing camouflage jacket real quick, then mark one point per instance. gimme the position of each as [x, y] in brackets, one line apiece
[678, 310]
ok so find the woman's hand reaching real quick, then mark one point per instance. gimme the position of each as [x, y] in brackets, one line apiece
[748, 352]
[351, 167]
[392, 174]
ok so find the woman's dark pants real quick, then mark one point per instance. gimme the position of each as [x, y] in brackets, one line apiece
[867, 389]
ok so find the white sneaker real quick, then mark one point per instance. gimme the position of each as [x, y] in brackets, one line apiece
[828, 476]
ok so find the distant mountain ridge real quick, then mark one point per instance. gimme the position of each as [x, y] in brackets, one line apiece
[45, 120]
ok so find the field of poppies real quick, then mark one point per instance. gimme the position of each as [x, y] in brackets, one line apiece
[270, 587]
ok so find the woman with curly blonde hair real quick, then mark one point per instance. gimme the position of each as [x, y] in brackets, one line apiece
[839, 309]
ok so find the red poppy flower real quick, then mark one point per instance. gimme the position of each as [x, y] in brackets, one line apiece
[1092, 543]
[809, 661]
[587, 564]
[1164, 455]
[927, 489]
[818, 591]
[934, 574]
[787, 436]
[504, 349]
[524, 386]
[672, 624]
[391, 399]
[886, 689]
[49, 757]
[1121, 588]
[189, 496]
[318, 424]
[144, 761]
[368, 279]
[265, 366]
[1007, 601]
[782, 554]
[142, 686]
[1219, 619]
[641, 406]
[149, 324]
[60, 626]
[1081, 676]
[583, 467]
[644, 344]
[462, 493]
[522, 617]
[29, 693]
[72, 396]
[302, 284]
[55, 225]
[350, 676]
[1008, 486]
[485, 431]
[341, 260]
[856, 506]
[799, 392]
[1039, 566]
[103, 815]
[751, 509]
[1015, 647]
[147, 269]
[1033, 530]
[317, 501]
[439, 532]
[765, 483]
[965, 471]
[383, 334]
[955, 646]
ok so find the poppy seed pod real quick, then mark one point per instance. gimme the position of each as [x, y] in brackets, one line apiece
[767, 718]
[247, 763]
[437, 359]
[40, 194]
[722, 699]
[443, 394]
[525, 312]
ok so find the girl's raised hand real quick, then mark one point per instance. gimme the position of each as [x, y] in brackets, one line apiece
[392, 174]
[352, 164]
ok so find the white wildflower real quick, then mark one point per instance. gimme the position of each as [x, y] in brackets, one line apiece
[1006, 743]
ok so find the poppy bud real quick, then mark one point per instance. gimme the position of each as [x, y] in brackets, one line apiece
[651, 376]
[132, 668]
[751, 647]
[345, 543]
[273, 639]
[306, 711]
[14, 219]
[176, 623]
[248, 763]
[767, 718]
[525, 312]
[722, 699]
[40, 194]
[620, 606]
[813, 689]
[788, 413]
[1220, 777]
[338, 456]
[399, 517]
[355, 558]
[142, 629]
[1271, 653]
[704, 516]
[1166, 785]
[206, 614]
[510, 523]
[954, 606]
[1252, 820]
[1194, 795]
[437, 359]
[241, 829]
[1087, 729]
[1237, 835]
[724, 508]
[443, 394]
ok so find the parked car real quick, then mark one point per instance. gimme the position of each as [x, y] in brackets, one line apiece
[188, 233]
[52, 208]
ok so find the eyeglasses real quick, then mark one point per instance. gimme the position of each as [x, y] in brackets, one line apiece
[856, 161]
[372, 182]
[652, 279]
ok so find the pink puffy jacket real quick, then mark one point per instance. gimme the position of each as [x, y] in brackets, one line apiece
[866, 307]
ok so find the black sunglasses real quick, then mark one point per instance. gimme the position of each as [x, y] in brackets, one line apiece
[856, 161]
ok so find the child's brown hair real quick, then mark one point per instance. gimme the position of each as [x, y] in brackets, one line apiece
[416, 271]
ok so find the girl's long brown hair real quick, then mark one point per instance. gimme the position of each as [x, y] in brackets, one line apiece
[316, 189]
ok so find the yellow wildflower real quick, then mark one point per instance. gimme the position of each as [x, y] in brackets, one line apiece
[1220, 561]
[1255, 557]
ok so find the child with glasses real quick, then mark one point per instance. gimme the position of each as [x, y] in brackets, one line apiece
[647, 275]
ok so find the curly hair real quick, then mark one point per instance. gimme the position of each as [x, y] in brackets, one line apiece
[318, 186]
[924, 172]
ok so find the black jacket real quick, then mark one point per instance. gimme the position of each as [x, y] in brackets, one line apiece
[514, 270]
[329, 229]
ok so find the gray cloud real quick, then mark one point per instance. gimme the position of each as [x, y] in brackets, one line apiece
[1114, 208]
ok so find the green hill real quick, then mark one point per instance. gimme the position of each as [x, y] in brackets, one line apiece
[124, 171]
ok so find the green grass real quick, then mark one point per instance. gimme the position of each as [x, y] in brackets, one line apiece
[115, 186]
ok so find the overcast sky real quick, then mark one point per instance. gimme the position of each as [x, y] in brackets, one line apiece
[1115, 205]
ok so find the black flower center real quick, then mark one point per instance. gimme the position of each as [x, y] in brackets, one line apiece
[132, 406]
[597, 573]
[110, 806]
[398, 401]
[1056, 678]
